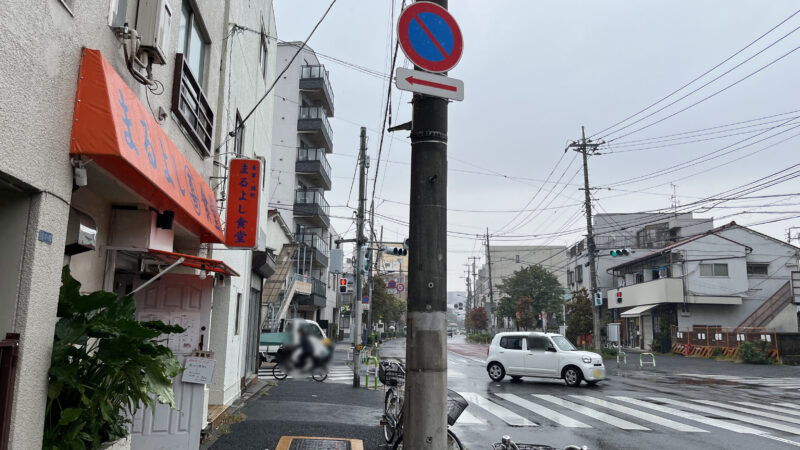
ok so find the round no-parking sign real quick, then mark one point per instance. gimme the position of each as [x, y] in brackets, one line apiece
[430, 37]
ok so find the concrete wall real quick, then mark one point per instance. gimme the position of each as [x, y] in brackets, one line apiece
[240, 89]
[41, 57]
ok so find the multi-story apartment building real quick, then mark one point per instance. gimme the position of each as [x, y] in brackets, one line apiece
[639, 233]
[118, 173]
[506, 259]
[727, 277]
[301, 174]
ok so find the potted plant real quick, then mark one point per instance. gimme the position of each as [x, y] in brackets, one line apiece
[105, 366]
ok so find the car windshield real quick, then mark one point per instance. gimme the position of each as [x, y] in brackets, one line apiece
[563, 343]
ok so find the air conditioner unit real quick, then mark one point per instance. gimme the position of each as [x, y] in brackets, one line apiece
[152, 24]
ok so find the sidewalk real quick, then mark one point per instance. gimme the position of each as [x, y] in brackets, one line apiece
[306, 408]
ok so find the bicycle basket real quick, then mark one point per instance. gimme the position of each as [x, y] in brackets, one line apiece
[391, 373]
[456, 404]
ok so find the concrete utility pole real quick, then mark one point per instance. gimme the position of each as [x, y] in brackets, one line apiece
[584, 147]
[362, 200]
[474, 283]
[491, 288]
[425, 404]
[369, 263]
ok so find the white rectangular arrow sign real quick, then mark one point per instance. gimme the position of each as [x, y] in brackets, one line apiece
[429, 84]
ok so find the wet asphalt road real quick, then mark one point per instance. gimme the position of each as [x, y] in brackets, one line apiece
[663, 408]
[684, 403]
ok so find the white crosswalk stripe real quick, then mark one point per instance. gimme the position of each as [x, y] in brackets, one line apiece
[641, 414]
[547, 413]
[597, 415]
[504, 414]
[336, 374]
[724, 413]
[782, 383]
[771, 408]
[467, 418]
[755, 412]
[788, 405]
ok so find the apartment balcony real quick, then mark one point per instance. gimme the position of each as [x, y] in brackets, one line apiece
[313, 124]
[317, 250]
[310, 204]
[318, 297]
[316, 87]
[660, 291]
[313, 165]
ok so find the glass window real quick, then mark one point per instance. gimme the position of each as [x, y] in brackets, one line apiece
[713, 270]
[262, 55]
[191, 43]
[563, 343]
[511, 342]
[757, 269]
[579, 274]
[538, 343]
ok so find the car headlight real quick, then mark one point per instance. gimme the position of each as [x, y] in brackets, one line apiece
[586, 359]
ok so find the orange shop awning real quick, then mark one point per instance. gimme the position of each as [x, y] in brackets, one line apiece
[194, 262]
[113, 128]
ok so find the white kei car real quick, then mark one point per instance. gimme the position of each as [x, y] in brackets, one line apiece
[547, 355]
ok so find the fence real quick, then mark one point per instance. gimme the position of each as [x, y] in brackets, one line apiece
[9, 352]
[702, 340]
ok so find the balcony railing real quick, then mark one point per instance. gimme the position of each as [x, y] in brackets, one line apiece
[313, 163]
[312, 197]
[308, 117]
[313, 241]
[317, 72]
[318, 287]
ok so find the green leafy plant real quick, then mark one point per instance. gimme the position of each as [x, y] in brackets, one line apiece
[754, 353]
[105, 366]
[716, 352]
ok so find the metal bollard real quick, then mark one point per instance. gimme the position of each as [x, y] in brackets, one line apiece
[652, 360]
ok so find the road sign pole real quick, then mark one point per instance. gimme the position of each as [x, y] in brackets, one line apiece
[426, 344]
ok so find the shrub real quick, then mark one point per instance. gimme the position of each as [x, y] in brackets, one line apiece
[754, 353]
[716, 351]
[105, 365]
[479, 338]
[609, 353]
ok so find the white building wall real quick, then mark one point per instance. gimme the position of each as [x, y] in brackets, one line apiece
[239, 91]
[41, 57]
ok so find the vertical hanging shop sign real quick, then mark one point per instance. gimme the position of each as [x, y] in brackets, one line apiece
[244, 187]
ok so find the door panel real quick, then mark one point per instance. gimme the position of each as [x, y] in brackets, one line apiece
[183, 300]
[538, 360]
[511, 352]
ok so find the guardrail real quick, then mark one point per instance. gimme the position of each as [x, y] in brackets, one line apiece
[642, 362]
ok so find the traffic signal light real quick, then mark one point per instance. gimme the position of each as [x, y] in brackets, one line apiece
[598, 299]
[620, 252]
[397, 251]
[343, 285]
[619, 296]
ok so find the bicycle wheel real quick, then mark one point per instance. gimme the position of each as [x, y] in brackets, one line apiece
[319, 374]
[279, 372]
[391, 412]
[452, 442]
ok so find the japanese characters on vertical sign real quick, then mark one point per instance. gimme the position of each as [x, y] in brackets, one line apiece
[244, 186]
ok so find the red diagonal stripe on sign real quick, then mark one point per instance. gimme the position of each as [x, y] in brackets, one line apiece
[431, 37]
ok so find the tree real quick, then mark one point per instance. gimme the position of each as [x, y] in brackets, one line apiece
[537, 284]
[476, 320]
[526, 318]
[579, 314]
[384, 304]
[506, 307]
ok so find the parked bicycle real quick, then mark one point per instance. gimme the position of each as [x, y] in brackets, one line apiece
[507, 444]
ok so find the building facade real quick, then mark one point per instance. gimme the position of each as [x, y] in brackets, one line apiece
[123, 181]
[301, 174]
[728, 277]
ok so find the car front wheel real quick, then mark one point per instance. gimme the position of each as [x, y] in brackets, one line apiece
[572, 376]
[496, 371]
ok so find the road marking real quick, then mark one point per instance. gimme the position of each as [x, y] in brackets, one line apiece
[730, 415]
[769, 407]
[547, 413]
[641, 414]
[601, 416]
[467, 417]
[788, 405]
[509, 417]
[752, 411]
[705, 420]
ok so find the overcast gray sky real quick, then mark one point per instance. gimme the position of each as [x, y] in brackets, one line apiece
[534, 72]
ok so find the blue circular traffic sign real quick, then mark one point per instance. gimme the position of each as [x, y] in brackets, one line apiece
[365, 299]
[430, 37]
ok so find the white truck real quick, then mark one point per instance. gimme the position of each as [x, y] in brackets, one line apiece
[287, 334]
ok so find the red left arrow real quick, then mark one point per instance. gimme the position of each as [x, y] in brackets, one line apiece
[446, 87]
